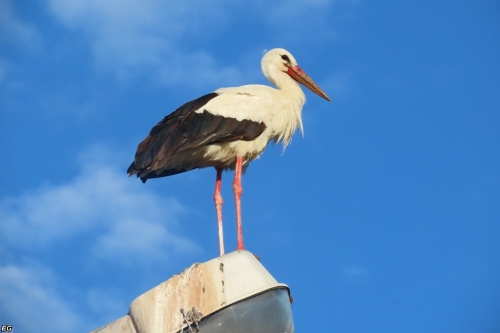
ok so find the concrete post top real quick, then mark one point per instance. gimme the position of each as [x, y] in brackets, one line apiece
[197, 292]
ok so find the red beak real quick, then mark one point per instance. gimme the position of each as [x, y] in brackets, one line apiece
[300, 76]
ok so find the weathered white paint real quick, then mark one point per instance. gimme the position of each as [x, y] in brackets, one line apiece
[205, 287]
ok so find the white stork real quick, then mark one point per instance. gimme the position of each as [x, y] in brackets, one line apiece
[227, 129]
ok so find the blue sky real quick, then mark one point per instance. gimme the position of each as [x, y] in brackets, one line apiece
[385, 217]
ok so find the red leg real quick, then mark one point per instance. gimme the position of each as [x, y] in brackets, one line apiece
[218, 207]
[237, 195]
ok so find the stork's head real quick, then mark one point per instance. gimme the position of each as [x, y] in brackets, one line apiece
[283, 61]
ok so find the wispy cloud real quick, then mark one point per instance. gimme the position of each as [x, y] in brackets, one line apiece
[132, 38]
[117, 222]
[17, 34]
[15, 31]
[29, 302]
[355, 274]
[126, 219]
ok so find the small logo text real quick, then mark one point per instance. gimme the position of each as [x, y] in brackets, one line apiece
[6, 328]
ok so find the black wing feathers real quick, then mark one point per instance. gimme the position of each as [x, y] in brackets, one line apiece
[184, 109]
[185, 129]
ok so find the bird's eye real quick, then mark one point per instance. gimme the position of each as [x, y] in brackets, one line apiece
[285, 57]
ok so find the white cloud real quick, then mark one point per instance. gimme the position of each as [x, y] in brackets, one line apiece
[113, 218]
[131, 38]
[126, 219]
[353, 273]
[29, 302]
[13, 30]
[132, 240]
